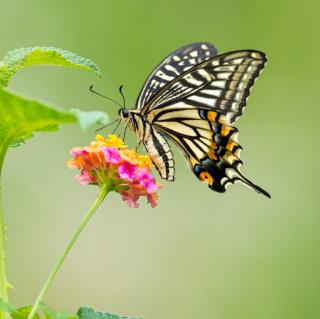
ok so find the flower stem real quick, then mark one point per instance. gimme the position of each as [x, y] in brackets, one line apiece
[104, 190]
[3, 270]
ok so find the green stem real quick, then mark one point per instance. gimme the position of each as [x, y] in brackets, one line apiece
[3, 270]
[104, 190]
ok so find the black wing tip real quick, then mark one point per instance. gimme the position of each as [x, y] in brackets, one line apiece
[257, 188]
[265, 193]
[251, 185]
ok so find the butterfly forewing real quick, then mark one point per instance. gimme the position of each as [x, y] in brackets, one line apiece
[172, 66]
[221, 83]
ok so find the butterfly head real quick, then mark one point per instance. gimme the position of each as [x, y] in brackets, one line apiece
[124, 113]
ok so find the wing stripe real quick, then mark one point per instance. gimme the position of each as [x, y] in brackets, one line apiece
[160, 154]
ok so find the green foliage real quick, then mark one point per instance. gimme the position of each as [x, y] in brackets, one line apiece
[52, 314]
[23, 313]
[49, 313]
[90, 313]
[16, 313]
[21, 116]
[88, 119]
[6, 307]
[24, 57]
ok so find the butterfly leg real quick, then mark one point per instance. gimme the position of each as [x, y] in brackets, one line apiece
[138, 145]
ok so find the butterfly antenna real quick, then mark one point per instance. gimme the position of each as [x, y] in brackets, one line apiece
[106, 97]
[123, 98]
[104, 126]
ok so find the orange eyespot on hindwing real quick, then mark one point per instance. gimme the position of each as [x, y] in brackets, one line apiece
[205, 176]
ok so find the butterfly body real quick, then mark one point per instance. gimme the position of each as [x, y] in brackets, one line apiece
[193, 97]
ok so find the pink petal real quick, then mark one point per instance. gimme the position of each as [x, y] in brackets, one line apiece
[147, 181]
[130, 200]
[84, 178]
[78, 151]
[127, 171]
[111, 155]
[152, 200]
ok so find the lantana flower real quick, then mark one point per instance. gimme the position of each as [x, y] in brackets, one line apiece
[109, 163]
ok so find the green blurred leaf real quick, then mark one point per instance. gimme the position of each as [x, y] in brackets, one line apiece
[90, 313]
[24, 57]
[88, 119]
[23, 313]
[4, 306]
[20, 117]
[52, 314]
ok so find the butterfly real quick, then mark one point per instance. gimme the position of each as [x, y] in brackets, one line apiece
[193, 98]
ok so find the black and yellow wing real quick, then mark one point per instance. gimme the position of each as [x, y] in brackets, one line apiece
[221, 83]
[196, 109]
[210, 144]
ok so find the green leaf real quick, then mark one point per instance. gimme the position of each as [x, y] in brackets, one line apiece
[23, 313]
[24, 57]
[90, 313]
[52, 314]
[18, 313]
[4, 306]
[20, 117]
[88, 119]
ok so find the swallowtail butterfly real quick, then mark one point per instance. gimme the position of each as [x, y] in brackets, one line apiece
[193, 97]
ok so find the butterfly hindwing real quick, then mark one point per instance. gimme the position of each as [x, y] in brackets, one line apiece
[209, 143]
[173, 65]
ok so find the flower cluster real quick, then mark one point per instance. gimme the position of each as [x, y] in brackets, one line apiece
[110, 162]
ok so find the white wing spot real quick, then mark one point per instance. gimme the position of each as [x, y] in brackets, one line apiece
[191, 80]
[194, 54]
[171, 68]
[224, 76]
[219, 84]
[164, 76]
[256, 55]
[195, 98]
[237, 61]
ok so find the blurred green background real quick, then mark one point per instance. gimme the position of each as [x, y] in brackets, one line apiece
[199, 253]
